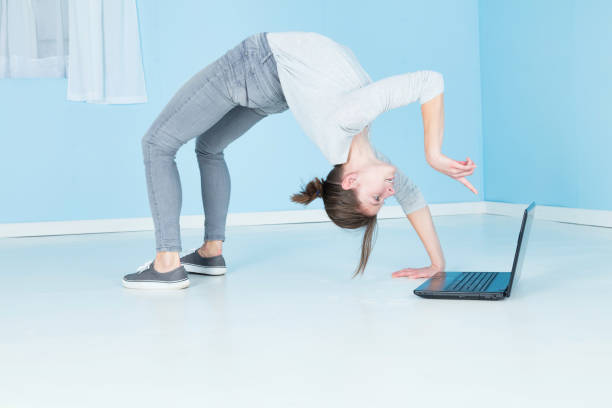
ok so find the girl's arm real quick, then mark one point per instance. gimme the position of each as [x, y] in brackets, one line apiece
[423, 225]
[361, 106]
[433, 126]
[416, 209]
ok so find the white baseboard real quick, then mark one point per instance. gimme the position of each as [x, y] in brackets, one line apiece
[595, 218]
[598, 218]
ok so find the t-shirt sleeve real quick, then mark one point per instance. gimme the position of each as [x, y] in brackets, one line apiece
[407, 193]
[361, 106]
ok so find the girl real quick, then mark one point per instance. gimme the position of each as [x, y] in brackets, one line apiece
[334, 100]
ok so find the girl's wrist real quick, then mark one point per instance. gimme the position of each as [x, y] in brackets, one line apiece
[439, 265]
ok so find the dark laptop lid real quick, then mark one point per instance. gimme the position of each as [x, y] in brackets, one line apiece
[521, 246]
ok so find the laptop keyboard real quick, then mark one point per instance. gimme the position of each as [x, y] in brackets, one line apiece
[473, 282]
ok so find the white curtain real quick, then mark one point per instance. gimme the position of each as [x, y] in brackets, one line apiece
[105, 60]
[94, 43]
[33, 38]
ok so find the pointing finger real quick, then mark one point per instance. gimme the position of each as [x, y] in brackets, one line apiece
[469, 185]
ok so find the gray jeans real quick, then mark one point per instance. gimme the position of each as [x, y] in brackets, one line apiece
[216, 106]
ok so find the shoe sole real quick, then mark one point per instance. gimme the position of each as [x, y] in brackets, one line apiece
[156, 285]
[205, 270]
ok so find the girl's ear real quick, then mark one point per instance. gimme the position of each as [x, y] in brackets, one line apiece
[349, 181]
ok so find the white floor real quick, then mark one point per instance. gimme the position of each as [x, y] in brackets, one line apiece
[287, 327]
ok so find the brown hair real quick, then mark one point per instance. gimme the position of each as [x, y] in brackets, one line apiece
[342, 207]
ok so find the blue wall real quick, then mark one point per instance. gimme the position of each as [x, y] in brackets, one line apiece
[546, 84]
[63, 160]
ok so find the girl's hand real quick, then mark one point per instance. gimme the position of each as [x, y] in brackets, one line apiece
[453, 168]
[415, 273]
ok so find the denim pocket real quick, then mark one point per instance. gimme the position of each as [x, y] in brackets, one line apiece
[264, 87]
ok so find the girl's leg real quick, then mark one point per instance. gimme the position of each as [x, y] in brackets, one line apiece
[258, 92]
[244, 77]
[200, 103]
[214, 174]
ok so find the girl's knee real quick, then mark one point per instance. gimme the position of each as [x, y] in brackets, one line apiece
[159, 143]
[203, 149]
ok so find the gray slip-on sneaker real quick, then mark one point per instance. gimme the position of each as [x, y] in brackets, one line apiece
[147, 277]
[195, 263]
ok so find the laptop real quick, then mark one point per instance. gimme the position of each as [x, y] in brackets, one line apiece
[480, 285]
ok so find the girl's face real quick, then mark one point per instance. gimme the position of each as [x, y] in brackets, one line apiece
[373, 184]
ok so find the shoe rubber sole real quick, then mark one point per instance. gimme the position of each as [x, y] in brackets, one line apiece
[155, 285]
[205, 270]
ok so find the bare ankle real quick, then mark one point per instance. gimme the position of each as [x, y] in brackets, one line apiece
[166, 261]
[211, 248]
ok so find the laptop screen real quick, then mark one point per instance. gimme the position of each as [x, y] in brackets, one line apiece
[521, 246]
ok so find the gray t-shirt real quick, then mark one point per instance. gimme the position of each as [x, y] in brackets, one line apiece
[333, 98]
[407, 193]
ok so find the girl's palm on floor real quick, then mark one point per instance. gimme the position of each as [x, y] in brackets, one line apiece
[414, 273]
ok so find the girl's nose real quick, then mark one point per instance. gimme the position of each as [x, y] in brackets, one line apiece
[390, 191]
